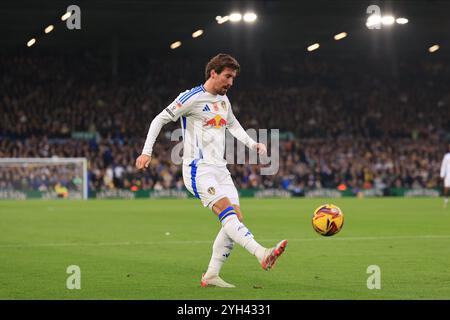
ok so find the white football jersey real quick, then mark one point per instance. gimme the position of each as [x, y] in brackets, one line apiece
[204, 118]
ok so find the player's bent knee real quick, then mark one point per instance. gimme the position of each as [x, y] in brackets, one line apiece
[237, 208]
[221, 205]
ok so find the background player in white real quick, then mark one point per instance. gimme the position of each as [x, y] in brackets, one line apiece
[205, 112]
[445, 175]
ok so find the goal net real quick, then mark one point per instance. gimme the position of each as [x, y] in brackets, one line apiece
[46, 178]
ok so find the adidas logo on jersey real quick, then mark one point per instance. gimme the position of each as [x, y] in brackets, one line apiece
[206, 108]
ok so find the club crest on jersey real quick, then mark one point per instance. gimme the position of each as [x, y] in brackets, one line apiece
[216, 122]
[215, 107]
[223, 105]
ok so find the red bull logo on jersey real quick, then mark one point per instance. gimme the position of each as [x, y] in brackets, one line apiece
[216, 122]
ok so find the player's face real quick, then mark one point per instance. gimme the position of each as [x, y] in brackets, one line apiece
[224, 80]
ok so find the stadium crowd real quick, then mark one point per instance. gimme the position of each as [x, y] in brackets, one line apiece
[341, 128]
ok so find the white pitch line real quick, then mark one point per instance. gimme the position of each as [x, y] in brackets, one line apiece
[137, 243]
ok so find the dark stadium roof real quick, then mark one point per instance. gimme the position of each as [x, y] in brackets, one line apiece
[281, 25]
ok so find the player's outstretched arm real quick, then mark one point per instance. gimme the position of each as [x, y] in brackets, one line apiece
[239, 133]
[260, 148]
[179, 107]
[143, 161]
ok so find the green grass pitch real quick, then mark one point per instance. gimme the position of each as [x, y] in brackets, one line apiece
[124, 252]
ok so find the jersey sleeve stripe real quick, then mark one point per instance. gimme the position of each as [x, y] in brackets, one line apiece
[183, 100]
[184, 95]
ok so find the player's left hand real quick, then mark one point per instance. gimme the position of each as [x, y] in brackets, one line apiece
[143, 161]
[261, 148]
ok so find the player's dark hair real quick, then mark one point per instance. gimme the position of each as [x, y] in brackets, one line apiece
[220, 62]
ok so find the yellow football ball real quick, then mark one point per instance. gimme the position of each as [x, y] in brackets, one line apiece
[328, 220]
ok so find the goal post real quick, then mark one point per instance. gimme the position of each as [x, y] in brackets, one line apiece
[47, 178]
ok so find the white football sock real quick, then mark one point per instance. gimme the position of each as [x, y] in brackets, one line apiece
[238, 232]
[221, 250]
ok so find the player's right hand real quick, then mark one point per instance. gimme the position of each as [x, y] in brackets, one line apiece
[143, 161]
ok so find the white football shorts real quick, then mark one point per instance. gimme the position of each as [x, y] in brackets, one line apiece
[209, 183]
[447, 181]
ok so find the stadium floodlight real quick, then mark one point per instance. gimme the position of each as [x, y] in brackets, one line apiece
[373, 20]
[433, 48]
[175, 45]
[197, 33]
[340, 36]
[402, 20]
[250, 17]
[313, 47]
[66, 16]
[31, 42]
[387, 20]
[49, 29]
[235, 17]
[221, 19]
